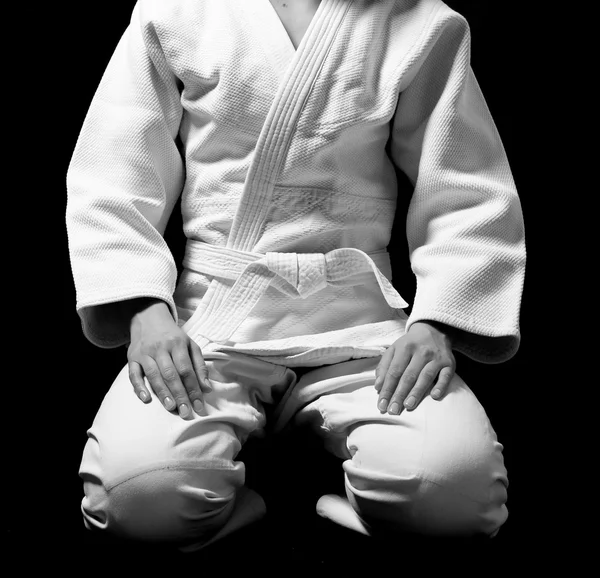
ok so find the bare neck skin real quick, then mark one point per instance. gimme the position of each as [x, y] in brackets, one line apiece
[295, 15]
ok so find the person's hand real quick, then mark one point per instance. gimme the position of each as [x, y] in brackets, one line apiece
[171, 361]
[409, 367]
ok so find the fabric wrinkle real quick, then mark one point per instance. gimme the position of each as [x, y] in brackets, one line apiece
[285, 162]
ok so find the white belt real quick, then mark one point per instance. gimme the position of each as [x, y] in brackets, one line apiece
[297, 275]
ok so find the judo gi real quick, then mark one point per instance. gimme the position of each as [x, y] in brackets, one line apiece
[285, 164]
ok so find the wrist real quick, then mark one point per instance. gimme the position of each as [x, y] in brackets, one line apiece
[140, 310]
[446, 330]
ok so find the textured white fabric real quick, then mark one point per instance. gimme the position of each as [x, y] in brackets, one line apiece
[436, 470]
[276, 150]
[296, 275]
[150, 475]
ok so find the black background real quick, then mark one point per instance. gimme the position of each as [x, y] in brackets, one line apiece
[68, 377]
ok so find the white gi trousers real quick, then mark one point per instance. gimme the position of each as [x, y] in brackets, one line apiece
[150, 475]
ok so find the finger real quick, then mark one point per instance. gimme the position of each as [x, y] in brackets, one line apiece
[200, 367]
[152, 373]
[172, 380]
[444, 379]
[188, 376]
[423, 385]
[136, 377]
[382, 368]
[406, 383]
[394, 373]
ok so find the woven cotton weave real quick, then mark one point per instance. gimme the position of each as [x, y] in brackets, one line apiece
[288, 151]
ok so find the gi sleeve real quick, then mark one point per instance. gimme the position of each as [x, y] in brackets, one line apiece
[124, 178]
[464, 224]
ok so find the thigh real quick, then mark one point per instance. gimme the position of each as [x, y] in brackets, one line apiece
[437, 469]
[434, 440]
[128, 435]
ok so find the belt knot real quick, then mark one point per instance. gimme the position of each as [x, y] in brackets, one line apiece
[303, 273]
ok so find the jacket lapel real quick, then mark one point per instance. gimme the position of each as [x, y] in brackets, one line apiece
[297, 78]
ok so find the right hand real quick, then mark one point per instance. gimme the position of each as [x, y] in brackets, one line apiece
[171, 362]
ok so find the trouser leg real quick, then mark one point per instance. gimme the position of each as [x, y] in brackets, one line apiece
[437, 470]
[150, 475]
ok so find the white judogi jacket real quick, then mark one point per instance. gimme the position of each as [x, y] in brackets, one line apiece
[285, 162]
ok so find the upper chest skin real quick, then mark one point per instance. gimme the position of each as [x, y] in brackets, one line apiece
[296, 16]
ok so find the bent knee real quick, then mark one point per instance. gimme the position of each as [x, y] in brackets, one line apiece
[468, 498]
[442, 507]
[166, 503]
[444, 474]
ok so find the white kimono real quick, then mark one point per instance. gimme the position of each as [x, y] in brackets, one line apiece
[285, 162]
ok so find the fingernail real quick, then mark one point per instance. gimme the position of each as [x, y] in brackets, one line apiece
[382, 405]
[436, 393]
[410, 401]
[208, 385]
[395, 408]
[377, 381]
[198, 406]
[169, 403]
[143, 396]
[184, 410]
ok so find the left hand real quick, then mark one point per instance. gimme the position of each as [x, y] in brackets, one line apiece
[409, 368]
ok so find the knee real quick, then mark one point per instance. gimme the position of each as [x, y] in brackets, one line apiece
[456, 488]
[148, 478]
[168, 503]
